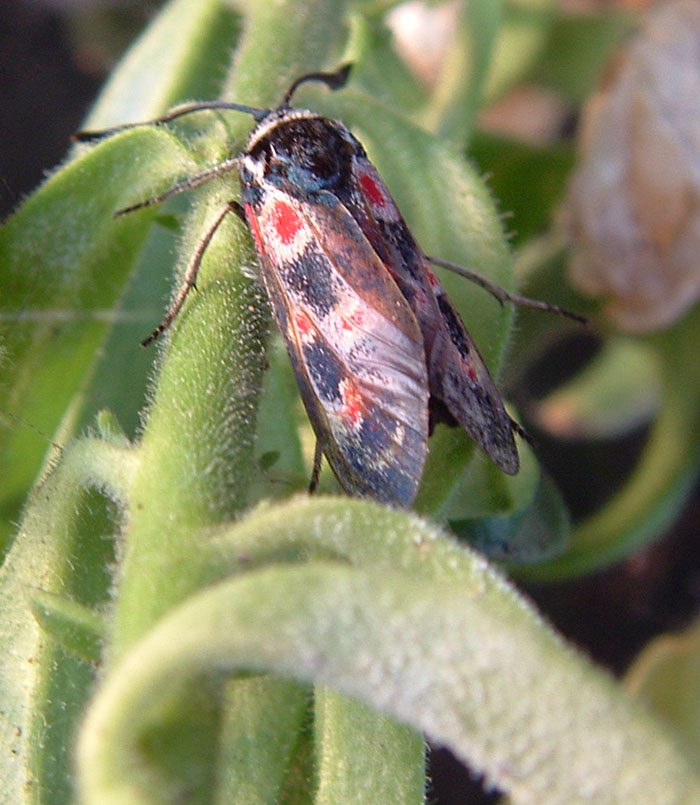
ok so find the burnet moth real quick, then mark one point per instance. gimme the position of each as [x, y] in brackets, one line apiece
[379, 352]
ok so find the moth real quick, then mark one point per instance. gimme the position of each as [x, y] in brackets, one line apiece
[379, 352]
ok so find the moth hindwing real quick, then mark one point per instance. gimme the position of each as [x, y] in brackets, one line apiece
[379, 352]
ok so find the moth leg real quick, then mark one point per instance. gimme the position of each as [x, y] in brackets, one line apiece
[316, 471]
[238, 209]
[505, 296]
[190, 279]
[188, 184]
[520, 430]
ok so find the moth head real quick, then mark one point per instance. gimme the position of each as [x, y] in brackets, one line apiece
[302, 147]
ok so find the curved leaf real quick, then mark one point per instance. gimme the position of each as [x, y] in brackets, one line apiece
[66, 262]
[64, 548]
[375, 634]
[666, 676]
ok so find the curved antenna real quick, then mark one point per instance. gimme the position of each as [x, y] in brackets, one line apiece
[178, 111]
[335, 80]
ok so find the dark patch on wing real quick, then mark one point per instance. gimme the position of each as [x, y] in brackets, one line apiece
[311, 278]
[325, 370]
[454, 325]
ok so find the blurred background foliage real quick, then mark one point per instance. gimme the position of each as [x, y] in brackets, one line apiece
[606, 539]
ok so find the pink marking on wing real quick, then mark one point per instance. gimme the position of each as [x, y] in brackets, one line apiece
[353, 321]
[372, 190]
[285, 221]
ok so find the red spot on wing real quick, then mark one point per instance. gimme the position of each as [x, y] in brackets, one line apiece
[432, 279]
[286, 221]
[353, 402]
[372, 190]
[254, 228]
[302, 324]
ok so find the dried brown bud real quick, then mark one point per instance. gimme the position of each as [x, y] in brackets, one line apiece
[634, 205]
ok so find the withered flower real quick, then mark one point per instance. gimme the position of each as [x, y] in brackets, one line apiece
[634, 205]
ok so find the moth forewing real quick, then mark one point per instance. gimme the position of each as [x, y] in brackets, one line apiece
[354, 344]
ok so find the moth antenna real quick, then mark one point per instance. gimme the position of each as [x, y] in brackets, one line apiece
[505, 296]
[173, 114]
[335, 80]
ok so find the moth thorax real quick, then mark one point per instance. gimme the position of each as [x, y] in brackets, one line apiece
[273, 121]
